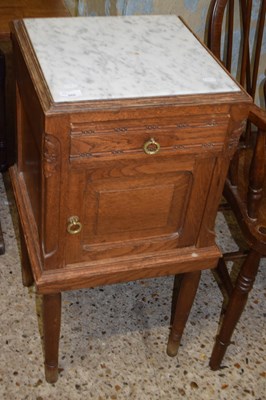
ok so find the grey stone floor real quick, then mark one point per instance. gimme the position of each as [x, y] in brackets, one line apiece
[113, 339]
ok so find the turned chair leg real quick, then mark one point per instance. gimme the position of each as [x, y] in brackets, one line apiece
[186, 286]
[27, 277]
[235, 307]
[51, 331]
[222, 272]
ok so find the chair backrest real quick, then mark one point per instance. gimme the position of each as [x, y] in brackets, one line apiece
[224, 16]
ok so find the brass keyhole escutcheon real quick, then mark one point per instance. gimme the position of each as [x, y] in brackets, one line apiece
[74, 226]
[151, 147]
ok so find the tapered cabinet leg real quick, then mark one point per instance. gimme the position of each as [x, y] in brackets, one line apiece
[187, 289]
[51, 331]
[27, 276]
[235, 307]
[177, 284]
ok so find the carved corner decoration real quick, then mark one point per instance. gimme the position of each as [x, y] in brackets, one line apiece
[237, 130]
[51, 155]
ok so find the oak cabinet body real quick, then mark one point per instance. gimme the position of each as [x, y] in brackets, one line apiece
[134, 208]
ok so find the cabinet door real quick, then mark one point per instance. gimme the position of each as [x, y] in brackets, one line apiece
[137, 206]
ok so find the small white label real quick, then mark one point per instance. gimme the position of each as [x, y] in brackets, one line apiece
[70, 94]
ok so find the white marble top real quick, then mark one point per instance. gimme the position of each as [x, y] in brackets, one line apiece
[96, 58]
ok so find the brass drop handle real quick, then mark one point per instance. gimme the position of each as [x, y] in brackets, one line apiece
[74, 226]
[151, 147]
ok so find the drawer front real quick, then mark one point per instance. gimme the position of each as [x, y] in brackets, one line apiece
[120, 139]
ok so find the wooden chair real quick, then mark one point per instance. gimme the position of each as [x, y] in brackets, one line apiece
[244, 190]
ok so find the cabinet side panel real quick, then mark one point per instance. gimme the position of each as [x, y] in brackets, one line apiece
[29, 154]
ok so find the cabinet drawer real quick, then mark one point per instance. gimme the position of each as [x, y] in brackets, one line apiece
[121, 139]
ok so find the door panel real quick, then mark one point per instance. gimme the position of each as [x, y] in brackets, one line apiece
[128, 207]
[137, 207]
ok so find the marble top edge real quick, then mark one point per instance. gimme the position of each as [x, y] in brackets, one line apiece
[79, 18]
[116, 17]
[123, 57]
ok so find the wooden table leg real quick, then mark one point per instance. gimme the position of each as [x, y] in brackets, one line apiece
[51, 332]
[187, 289]
[235, 307]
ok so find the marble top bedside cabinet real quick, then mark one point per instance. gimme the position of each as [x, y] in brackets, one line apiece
[126, 126]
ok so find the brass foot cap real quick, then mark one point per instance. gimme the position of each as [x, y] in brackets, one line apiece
[51, 373]
[172, 348]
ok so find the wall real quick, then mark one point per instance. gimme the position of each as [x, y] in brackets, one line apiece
[194, 12]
